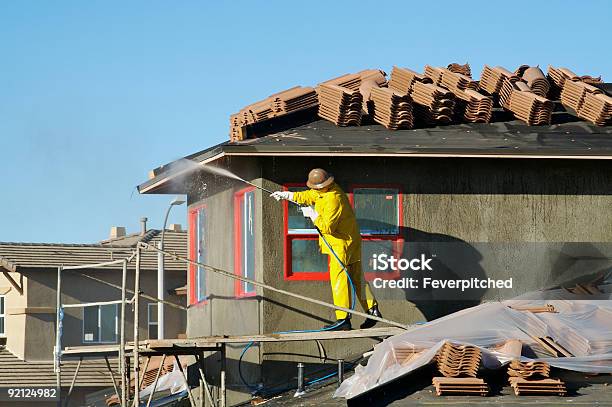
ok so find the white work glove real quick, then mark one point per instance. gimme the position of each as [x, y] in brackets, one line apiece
[278, 195]
[309, 212]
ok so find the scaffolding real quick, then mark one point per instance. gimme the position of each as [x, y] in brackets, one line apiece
[164, 348]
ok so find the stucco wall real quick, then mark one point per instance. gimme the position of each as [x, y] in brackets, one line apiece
[14, 320]
[538, 221]
[223, 313]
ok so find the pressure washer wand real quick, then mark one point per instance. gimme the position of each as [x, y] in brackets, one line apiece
[256, 186]
[268, 191]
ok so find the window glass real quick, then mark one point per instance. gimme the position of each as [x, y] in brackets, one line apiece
[371, 247]
[201, 249]
[297, 224]
[306, 257]
[90, 324]
[377, 210]
[1, 315]
[100, 323]
[247, 240]
[152, 321]
[108, 323]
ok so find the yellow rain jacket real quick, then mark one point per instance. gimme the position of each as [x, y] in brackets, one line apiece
[338, 225]
[336, 221]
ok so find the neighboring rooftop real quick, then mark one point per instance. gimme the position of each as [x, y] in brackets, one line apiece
[20, 256]
[17, 372]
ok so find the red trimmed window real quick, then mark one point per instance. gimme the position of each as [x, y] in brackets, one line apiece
[198, 245]
[303, 258]
[244, 240]
[378, 209]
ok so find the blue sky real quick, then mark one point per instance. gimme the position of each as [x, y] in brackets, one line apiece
[94, 94]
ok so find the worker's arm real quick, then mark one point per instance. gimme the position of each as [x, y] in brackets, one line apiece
[327, 221]
[307, 197]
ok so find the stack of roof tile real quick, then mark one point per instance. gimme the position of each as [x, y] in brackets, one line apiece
[529, 107]
[492, 79]
[460, 386]
[508, 86]
[435, 74]
[279, 104]
[528, 369]
[473, 107]
[391, 109]
[293, 99]
[236, 123]
[536, 80]
[456, 81]
[402, 80]
[433, 104]
[574, 92]
[403, 355]
[523, 386]
[462, 69]
[354, 80]
[558, 76]
[340, 105]
[458, 360]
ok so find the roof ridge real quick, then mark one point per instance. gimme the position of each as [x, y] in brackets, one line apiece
[150, 234]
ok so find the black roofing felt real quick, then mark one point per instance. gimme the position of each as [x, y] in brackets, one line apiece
[567, 136]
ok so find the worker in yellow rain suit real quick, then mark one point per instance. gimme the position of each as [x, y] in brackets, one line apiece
[334, 217]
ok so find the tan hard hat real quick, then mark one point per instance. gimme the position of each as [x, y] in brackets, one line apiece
[319, 179]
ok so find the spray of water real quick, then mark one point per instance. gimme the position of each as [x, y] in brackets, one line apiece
[222, 172]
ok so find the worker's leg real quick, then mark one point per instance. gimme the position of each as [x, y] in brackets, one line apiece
[340, 288]
[362, 288]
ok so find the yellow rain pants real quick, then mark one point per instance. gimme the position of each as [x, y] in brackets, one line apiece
[338, 225]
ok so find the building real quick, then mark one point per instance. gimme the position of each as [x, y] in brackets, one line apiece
[28, 304]
[495, 200]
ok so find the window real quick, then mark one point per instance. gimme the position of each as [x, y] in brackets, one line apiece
[244, 237]
[2, 315]
[197, 252]
[152, 320]
[303, 258]
[100, 323]
[378, 210]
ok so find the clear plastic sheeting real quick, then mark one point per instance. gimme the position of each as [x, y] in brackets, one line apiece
[173, 382]
[583, 327]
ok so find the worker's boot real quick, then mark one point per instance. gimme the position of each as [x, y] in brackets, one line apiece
[369, 323]
[339, 325]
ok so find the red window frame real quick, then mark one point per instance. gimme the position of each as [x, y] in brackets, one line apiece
[192, 213]
[288, 238]
[324, 276]
[238, 289]
[398, 239]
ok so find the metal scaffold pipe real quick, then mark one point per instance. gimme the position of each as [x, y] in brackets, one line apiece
[122, 370]
[136, 360]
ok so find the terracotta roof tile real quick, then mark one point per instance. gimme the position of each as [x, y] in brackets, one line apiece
[340, 105]
[391, 109]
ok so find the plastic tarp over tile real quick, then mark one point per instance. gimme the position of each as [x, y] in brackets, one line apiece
[583, 327]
